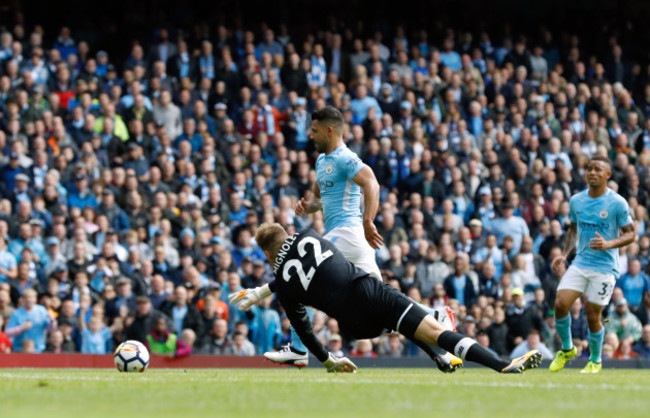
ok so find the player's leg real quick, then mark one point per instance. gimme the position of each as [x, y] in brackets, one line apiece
[599, 293]
[354, 247]
[571, 287]
[430, 331]
[294, 354]
[394, 310]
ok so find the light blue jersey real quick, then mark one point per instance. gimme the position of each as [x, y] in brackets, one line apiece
[606, 215]
[40, 321]
[340, 195]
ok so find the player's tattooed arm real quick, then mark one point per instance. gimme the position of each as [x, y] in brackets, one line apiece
[569, 247]
[570, 240]
[626, 238]
[310, 206]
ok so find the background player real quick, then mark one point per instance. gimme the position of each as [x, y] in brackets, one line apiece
[309, 270]
[596, 214]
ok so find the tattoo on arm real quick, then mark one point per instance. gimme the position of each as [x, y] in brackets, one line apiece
[315, 206]
[570, 240]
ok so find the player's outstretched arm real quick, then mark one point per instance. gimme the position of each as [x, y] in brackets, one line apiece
[626, 238]
[366, 179]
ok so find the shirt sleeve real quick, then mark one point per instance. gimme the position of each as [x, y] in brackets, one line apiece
[297, 314]
[351, 164]
[623, 217]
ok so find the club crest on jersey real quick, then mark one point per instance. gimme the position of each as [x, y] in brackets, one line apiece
[603, 214]
[329, 169]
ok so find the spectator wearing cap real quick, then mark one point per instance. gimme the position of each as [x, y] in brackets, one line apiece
[145, 318]
[82, 196]
[10, 171]
[124, 300]
[521, 319]
[623, 322]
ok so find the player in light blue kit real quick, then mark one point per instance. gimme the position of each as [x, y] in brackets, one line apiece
[597, 214]
[341, 177]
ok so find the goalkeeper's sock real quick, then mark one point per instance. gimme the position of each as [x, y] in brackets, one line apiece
[468, 349]
[563, 327]
[596, 345]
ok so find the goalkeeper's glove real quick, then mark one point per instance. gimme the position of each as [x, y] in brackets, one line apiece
[335, 364]
[249, 297]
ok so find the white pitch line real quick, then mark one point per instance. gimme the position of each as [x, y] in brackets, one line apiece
[351, 380]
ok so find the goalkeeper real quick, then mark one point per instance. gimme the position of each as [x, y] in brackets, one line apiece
[310, 271]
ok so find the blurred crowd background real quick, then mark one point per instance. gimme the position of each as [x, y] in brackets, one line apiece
[140, 148]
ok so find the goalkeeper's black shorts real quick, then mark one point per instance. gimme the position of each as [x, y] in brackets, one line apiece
[373, 307]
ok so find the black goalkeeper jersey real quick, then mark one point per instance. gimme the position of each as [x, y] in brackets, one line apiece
[310, 271]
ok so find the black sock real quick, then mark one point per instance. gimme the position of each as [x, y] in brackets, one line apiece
[468, 349]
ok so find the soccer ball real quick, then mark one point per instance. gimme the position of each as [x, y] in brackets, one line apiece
[131, 356]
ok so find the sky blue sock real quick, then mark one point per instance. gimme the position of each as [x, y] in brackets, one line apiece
[596, 345]
[296, 343]
[563, 327]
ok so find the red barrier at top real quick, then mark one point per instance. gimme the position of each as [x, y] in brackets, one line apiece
[92, 361]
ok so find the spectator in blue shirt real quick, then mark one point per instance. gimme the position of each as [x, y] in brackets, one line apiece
[189, 134]
[82, 196]
[30, 322]
[270, 45]
[8, 263]
[635, 283]
[449, 57]
[25, 239]
[514, 226]
[362, 103]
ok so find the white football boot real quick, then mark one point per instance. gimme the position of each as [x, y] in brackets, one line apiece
[287, 355]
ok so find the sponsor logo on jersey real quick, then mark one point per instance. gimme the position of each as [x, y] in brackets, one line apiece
[603, 214]
[324, 184]
[329, 169]
[352, 163]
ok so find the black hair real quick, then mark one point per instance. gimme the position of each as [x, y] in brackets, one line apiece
[329, 115]
[602, 158]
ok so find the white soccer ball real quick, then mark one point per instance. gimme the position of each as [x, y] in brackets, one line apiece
[131, 356]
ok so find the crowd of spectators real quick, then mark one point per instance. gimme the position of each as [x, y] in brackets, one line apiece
[130, 190]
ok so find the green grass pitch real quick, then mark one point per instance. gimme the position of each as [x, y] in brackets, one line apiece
[285, 392]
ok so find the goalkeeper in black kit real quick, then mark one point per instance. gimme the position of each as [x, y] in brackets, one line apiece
[310, 271]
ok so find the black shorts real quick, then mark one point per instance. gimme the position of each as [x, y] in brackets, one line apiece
[373, 306]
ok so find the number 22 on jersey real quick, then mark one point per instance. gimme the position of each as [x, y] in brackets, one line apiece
[319, 257]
